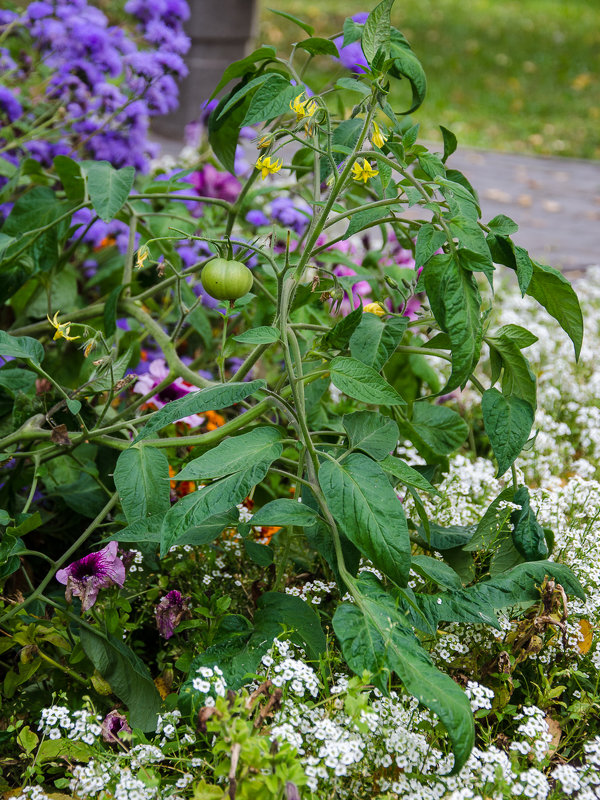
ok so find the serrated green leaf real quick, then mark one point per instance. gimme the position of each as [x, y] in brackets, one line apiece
[285, 512]
[265, 334]
[429, 241]
[212, 398]
[528, 534]
[108, 188]
[271, 99]
[375, 636]
[142, 480]
[21, 347]
[369, 512]
[373, 433]
[440, 427]
[362, 382]
[377, 30]
[234, 455]
[508, 422]
[238, 68]
[375, 340]
[407, 474]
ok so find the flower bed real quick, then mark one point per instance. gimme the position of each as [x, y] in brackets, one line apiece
[294, 506]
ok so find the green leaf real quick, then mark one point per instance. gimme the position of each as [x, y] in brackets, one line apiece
[194, 509]
[373, 433]
[142, 480]
[450, 143]
[407, 474]
[108, 188]
[365, 219]
[554, 292]
[304, 25]
[261, 554]
[460, 195]
[127, 675]
[276, 609]
[271, 100]
[528, 534]
[223, 132]
[375, 636]
[503, 225]
[432, 165]
[233, 455]
[21, 347]
[446, 538]
[432, 569]
[474, 252]
[377, 30]
[265, 334]
[238, 68]
[352, 85]
[14, 381]
[375, 340]
[518, 378]
[520, 336]
[212, 398]
[148, 530]
[242, 91]
[345, 135]
[339, 336]
[110, 311]
[508, 422]
[71, 178]
[352, 31]
[318, 46]
[285, 512]
[74, 406]
[456, 305]
[440, 427]
[362, 382]
[406, 64]
[429, 241]
[369, 512]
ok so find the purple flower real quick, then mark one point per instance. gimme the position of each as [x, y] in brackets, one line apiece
[257, 218]
[294, 214]
[170, 611]
[114, 724]
[85, 578]
[210, 182]
[9, 104]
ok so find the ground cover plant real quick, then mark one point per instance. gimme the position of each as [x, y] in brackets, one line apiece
[285, 513]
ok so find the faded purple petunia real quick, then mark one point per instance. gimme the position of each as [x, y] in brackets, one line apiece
[85, 578]
[113, 725]
[170, 611]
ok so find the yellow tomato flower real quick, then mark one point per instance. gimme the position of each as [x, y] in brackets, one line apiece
[303, 107]
[62, 328]
[265, 141]
[374, 308]
[363, 173]
[142, 255]
[378, 139]
[268, 167]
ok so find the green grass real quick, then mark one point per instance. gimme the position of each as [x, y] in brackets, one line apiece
[515, 75]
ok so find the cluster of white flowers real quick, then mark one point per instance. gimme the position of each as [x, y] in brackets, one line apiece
[286, 669]
[313, 591]
[57, 722]
[536, 733]
[479, 696]
[210, 681]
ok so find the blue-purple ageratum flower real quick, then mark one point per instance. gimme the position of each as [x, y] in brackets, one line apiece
[352, 56]
[85, 578]
[169, 612]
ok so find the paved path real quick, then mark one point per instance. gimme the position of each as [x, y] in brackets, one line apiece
[555, 201]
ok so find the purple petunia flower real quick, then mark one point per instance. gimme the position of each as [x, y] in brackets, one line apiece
[170, 611]
[157, 372]
[114, 724]
[210, 182]
[85, 578]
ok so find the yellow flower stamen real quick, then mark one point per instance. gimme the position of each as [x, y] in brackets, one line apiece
[267, 166]
[364, 172]
[378, 138]
[303, 107]
[374, 308]
[62, 328]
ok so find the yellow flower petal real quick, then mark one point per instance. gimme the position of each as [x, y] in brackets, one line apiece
[374, 308]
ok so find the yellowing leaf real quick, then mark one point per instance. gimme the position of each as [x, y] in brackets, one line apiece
[583, 645]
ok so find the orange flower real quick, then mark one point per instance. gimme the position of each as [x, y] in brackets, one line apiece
[267, 532]
[213, 420]
[181, 488]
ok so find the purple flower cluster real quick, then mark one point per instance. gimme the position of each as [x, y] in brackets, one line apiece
[352, 56]
[96, 72]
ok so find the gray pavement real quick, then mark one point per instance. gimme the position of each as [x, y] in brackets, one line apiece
[555, 201]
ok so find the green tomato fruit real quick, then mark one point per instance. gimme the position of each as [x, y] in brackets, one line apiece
[226, 280]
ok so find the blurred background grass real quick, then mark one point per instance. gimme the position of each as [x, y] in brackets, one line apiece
[515, 75]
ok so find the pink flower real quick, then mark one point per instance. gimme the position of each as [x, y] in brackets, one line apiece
[85, 578]
[359, 289]
[157, 372]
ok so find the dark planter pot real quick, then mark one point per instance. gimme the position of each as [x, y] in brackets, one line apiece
[221, 32]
